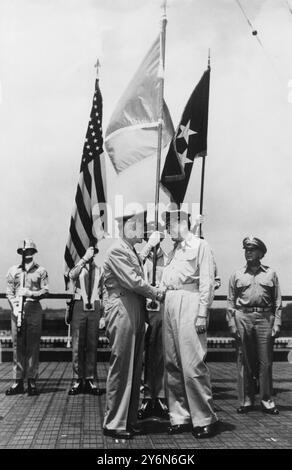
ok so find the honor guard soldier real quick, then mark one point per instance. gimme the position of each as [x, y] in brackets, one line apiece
[86, 276]
[27, 283]
[126, 290]
[254, 317]
[154, 401]
[189, 280]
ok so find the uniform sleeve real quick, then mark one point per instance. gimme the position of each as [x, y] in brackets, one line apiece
[145, 252]
[44, 285]
[278, 302]
[74, 273]
[206, 287]
[122, 268]
[231, 307]
[10, 289]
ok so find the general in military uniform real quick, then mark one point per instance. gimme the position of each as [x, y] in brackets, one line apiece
[126, 290]
[189, 280]
[254, 316]
[86, 276]
[26, 284]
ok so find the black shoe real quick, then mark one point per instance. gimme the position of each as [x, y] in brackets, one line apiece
[160, 408]
[244, 409]
[117, 434]
[32, 388]
[146, 409]
[201, 432]
[270, 411]
[91, 387]
[76, 388]
[179, 428]
[16, 389]
[135, 430]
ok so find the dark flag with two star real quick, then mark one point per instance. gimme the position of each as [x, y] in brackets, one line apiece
[189, 142]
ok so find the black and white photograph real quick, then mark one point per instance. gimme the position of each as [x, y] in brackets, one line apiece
[145, 243]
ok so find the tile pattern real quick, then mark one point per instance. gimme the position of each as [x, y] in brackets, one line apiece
[54, 420]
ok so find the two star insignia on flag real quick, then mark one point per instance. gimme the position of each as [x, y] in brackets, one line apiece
[185, 133]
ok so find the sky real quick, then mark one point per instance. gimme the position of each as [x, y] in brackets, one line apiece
[48, 49]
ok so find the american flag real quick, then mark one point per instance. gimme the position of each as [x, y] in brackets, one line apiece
[88, 219]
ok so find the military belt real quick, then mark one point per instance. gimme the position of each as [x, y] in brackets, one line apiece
[193, 287]
[255, 309]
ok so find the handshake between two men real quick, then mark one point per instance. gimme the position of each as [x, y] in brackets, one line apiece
[168, 283]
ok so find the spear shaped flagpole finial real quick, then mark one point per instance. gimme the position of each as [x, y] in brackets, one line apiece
[97, 65]
[163, 6]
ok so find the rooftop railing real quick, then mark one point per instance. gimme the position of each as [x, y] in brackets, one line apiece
[60, 342]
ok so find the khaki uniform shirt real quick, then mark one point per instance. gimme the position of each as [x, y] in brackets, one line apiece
[191, 262]
[123, 268]
[261, 289]
[36, 280]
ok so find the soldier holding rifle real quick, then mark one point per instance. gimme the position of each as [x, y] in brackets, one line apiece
[86, 277]
[27, 283]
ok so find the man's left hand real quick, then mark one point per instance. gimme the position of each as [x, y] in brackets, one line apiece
[275, 331]
[24, 292]
[201, 325]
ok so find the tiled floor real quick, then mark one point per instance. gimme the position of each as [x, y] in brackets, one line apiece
[55, 420]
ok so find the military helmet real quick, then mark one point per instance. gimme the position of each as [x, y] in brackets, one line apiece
[27, 244]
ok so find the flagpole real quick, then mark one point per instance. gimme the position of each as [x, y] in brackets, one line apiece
[160, 123]
[203, 169]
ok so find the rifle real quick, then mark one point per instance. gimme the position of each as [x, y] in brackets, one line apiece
[88, 306]
[20, 308]
[69, 310]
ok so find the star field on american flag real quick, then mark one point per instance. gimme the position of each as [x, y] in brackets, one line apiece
[93, 145]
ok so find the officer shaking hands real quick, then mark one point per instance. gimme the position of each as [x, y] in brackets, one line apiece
[126, 290]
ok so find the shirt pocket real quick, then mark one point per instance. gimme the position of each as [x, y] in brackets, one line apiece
[243, 284]
[267, 285]
[188, 255]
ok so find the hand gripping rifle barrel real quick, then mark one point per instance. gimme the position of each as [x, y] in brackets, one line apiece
[20, 313]
[89, 306]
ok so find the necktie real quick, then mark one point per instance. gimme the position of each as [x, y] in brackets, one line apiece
[139, 261]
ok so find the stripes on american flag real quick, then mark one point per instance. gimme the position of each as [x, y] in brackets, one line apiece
[88, 219]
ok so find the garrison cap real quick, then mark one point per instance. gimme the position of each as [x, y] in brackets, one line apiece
[129, 214]
[253, 241]
[172, 211]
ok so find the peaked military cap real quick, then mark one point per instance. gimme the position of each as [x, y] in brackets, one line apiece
[253, 241]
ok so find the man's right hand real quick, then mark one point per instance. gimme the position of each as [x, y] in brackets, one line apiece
[160, 294]
[234, 332]
[15, 309]
[89, 254]
[154, 239]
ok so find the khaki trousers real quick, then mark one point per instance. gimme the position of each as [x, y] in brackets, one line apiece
[84, 341]
[187, 376]
[125, 325]
[26, 347]
[256, 351]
